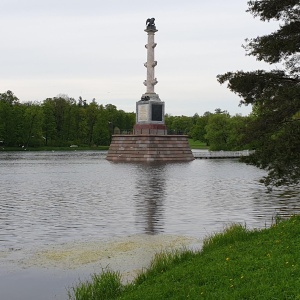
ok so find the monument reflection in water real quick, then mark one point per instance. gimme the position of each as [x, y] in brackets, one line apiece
[150, 197]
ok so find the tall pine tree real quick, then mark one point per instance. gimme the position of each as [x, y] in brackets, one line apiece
[274, 130]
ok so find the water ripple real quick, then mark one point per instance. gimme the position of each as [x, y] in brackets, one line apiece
[56, 197]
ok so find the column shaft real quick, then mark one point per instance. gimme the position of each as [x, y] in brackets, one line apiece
[150, 63]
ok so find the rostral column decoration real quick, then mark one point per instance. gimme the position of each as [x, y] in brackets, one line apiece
[151, 63]
[150, 110]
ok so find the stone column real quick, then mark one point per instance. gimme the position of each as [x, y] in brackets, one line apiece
[151, 63]
[150, 110]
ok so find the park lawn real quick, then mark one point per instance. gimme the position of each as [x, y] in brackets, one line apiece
[235, 264]
[193, 145]
[197, 144]
[51, 148]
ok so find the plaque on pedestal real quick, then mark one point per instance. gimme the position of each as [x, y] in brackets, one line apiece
[156, 112]
[150, 112]
[142, 113]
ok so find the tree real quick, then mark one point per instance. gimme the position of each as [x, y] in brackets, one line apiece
[9, 98]
[217, 131]
[102, 132]
[80, 127]
[198, 131]
[236, 137]
[32, 125]
[179, 124]
[10, 119]
[92, 112]
[129, 122]
[49, 124]
[274, 95]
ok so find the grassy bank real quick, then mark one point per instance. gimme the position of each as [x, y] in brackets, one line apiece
[197, 144]
[193, 144]
[235, 264]
[49, 148]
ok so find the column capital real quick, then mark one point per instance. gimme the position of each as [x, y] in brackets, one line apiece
[151, 29]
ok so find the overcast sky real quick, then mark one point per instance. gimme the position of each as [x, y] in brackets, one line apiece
[95, 49]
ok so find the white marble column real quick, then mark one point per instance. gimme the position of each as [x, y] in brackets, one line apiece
[151, 63]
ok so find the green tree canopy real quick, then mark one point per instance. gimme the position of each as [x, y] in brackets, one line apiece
[217, 131]
[8, 98]
[198, 131]
[224, 132]
[274, 130]
[59, 121]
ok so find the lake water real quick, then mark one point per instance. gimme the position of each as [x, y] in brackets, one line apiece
[49, 199]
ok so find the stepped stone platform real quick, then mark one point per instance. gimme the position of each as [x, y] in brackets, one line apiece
[149, 148]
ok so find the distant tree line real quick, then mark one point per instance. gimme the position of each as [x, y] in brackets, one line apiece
[218, 130]
[63, 121]
[59, 121]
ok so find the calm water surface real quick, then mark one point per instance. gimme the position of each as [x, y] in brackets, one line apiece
[57, 197]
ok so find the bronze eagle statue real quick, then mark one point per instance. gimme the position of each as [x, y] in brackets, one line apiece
[150, 22]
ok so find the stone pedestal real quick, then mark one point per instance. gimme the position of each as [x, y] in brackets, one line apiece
[147, 129]
[149, 148]
[150, 117]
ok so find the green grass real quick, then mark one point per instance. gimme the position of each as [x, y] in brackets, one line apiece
[104, 286]
[197, 144]
[235, 264]
[193, 144]
[50, 148]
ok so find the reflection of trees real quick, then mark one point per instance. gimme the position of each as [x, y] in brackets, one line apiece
[149, 197]
[282, 201]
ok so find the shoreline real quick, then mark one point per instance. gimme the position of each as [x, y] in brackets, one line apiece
[64, 265]
[228, 266]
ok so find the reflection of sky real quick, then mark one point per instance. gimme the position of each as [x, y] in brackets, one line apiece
[150, 197]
